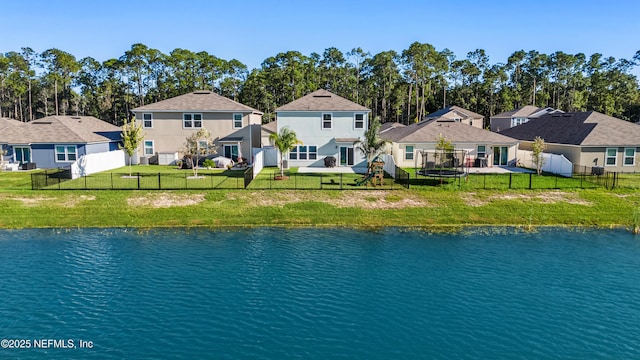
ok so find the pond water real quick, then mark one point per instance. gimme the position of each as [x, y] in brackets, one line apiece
[317, 294]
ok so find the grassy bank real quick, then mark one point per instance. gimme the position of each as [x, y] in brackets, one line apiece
[426, 206]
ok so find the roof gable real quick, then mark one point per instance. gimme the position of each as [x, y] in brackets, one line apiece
[524, 111]
[61, 129]
[197, 101]
[322, 100]
[463, 113]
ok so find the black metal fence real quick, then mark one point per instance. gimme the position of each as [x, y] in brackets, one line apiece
[272, 179]
[61, 180]
[402, 177]
[582, 178]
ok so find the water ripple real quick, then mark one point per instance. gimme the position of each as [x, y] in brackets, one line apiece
[308, 293]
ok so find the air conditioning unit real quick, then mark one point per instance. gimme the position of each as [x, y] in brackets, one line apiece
[285, 164]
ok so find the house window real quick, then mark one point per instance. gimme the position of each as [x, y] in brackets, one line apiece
[408, 152]
[148, 147]
[66, 153]
[358, 121]
[304, 152]
[22, 154]
[611, 156]
[237, 121]
[203, 146]
[192, 121]
[293, 153]
[231, 152]
[629, 156]
[327, 121]
[147, 120]
[482, 151]
[518, 121]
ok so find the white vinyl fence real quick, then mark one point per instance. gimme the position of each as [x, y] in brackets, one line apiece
[93, 163]
[389, 165]
[258, 161]
[553, 163]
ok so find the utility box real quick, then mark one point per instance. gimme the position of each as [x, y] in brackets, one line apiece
[167, 158]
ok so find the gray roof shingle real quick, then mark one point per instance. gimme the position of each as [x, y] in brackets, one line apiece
[466, 114]
[579, 128]
[197, 101]
[60, 129]
[428, 131]
[322, 100]
[519, 112]
[6, 123]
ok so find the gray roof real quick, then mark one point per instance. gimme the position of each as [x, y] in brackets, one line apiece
[6, 122]
[519, 112]
[322, 100]
[464, 113]
[580, 128]
[60, 129]
[197, 101]
[270, 127]
[428, 131]
[390, 125]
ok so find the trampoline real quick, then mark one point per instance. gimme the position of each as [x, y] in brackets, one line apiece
[442, 164]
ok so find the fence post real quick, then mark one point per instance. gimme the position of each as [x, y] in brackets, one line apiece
[321, 181]
[340, 181]
[59, 179]
[159, 183]
[530, 180]
[295, 181]
[111, 181]
[85, 182]
[510, 179]
[138, 181]
[484, 178]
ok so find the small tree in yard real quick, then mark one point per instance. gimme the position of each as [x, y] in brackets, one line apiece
[194, 146]
[372, 145]
[284, 141]
[132, 137]
[538, 149]
[443, 147]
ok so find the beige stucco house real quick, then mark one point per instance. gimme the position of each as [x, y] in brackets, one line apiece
[483, 147]
[234, 127]
[585, 138]
[456, 113]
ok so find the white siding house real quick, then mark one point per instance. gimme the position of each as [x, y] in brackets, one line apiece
[327, 125]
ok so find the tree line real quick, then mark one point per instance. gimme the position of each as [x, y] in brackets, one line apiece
[398, 86]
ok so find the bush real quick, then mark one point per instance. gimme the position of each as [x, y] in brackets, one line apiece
[208, 163]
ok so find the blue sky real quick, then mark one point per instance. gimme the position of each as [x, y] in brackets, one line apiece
[253, 30]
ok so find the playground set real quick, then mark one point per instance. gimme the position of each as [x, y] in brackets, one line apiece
[375, 175]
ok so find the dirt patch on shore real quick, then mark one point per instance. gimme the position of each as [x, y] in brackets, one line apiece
[67, 201]
[365, 199]
[548, 197]
[165, 200]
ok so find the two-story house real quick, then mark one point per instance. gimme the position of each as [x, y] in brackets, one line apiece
[234, 127]
[519, 116]
[458, 114]
[327, 125]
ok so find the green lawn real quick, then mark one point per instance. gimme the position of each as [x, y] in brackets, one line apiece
[423, 206]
